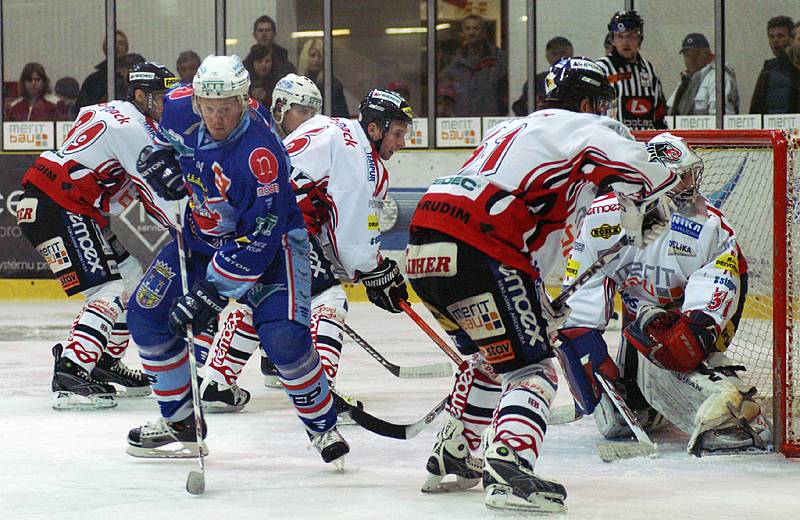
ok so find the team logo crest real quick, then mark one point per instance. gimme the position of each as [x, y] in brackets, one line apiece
[154, 285]
[664, 152]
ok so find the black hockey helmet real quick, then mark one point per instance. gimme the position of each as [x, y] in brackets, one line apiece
[572, 79]
[149, 77]
[384, 106]
[627, 21]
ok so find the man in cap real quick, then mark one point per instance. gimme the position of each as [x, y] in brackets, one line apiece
[696, 92]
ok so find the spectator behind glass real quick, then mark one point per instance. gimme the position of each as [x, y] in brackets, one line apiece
[310, 65]
[478, 73]
[445, 101]
[32, 105]
[94, 89]
[187, 64]
[264, 31]
[556, 48]
[778, 85]
[696, 91]
[67, 92]
[263, 70]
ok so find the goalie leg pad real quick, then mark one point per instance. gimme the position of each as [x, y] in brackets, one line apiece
[584, 352]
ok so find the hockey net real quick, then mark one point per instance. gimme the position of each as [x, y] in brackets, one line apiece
[752, 176]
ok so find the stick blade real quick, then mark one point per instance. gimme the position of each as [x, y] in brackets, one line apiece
[426, 371]
[196, 483]
[614, 451]
[564, 415]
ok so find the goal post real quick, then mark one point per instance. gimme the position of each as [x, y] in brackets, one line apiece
[751, 176]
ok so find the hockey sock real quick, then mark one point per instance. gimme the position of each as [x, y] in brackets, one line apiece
[520, 420]
[90, 331]
[234, 345]
[327, 335]
[473, 399]
[167, 369]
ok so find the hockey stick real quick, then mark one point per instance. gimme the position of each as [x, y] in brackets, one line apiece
[387, 429]
[613, 451]
[195, 480]
[421, 371]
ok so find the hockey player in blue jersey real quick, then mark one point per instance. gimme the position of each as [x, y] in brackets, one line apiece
[246, 241]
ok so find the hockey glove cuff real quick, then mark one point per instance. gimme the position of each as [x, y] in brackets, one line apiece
[161, 170]
[385, 286]
[199, 308]
[644, 222]
[555, 317]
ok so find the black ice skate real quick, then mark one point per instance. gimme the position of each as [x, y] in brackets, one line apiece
[272, 379]
[74, 389]
[511, 484]
[332, 446]
[127, 381]
[451, 456]
[221, 398]
[165, 439]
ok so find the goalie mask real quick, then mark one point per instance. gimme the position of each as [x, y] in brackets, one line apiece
[675, 154]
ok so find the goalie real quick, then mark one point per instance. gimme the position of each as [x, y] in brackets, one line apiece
[682, 298]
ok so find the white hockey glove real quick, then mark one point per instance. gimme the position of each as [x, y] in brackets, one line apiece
[555, 317]
[644, 222]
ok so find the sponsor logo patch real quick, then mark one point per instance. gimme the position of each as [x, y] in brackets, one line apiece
[497, 352]
[55, 254]
[154, 285]
[572, 269]
[725, 282]
[678, 249]
[435, 259]
[372, 223]
[478, 316]
[685, 226]
[606, 231]
[727, 262]
[69, 280]
[26, 210]
[606, 208]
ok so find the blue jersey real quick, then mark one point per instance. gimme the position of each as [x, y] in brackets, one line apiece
[241, 203]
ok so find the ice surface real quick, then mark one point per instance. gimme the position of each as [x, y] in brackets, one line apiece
[73, 464]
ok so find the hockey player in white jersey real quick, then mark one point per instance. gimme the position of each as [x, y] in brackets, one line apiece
[682, 299]
[483, 239]
[340, 207]
[69, 195]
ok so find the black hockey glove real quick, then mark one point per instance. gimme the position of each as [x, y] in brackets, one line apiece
[385, 286]
[161, 170]
[199, 308]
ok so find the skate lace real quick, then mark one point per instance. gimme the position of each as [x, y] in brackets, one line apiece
[322, 440]
[122, 369]
[157, 427]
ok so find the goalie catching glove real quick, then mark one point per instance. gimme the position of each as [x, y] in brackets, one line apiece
[644, 222]
[161, 170]
[673, 340]
[198, 308]
[385, 286]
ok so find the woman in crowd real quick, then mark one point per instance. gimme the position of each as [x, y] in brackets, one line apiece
[310, 65]
[32, 105]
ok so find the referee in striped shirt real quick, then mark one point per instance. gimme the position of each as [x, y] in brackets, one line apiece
[640, 98]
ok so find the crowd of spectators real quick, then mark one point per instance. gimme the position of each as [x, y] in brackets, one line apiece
[472, 78]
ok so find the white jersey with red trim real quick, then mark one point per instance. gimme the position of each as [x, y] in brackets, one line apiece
[94, 170]
[532, 177]
[340, 183]
[695, 265]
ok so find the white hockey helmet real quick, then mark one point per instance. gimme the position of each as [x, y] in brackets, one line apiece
[295, 90]
[674, 153]
[221, 77]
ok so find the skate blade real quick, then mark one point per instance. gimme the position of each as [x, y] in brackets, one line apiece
[748, 450]
[502, 497]
[127, 392]
[435, 485]
[272, 382]
[339, 464]
[220, 407]
[71, 401]
[187, 450]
